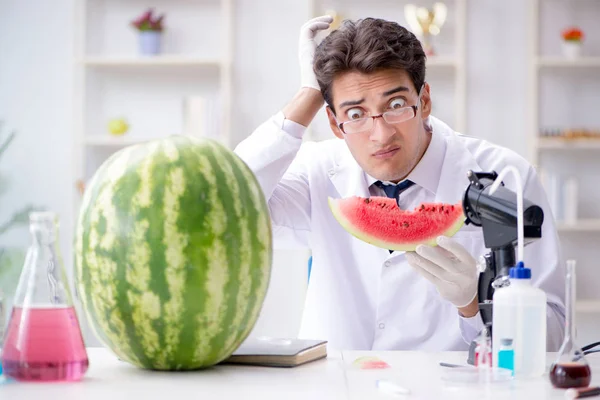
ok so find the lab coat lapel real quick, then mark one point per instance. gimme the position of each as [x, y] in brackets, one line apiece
[453, 179]
[350, 180]
[348, 177]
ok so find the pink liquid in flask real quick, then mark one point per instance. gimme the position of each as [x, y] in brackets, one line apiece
[44, 344]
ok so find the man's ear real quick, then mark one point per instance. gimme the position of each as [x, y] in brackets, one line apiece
[333, 124]
[425, 101]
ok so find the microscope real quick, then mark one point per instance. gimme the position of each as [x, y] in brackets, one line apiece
[497, 216]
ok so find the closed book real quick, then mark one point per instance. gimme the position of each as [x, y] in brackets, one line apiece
[278, 352]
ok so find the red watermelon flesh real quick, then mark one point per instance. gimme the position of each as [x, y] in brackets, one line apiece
[380, 222]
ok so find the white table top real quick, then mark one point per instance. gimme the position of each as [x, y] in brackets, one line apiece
[333, 378]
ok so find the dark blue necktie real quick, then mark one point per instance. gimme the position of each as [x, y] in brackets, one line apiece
[393, 191]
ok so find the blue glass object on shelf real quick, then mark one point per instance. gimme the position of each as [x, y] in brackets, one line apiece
[150, 42]
[309, 266]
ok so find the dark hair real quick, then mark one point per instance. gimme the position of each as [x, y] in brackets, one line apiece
[368, 45]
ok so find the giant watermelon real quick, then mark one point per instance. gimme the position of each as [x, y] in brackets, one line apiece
[173, 253]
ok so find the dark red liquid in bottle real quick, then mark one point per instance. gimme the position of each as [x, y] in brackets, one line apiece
[569, 375]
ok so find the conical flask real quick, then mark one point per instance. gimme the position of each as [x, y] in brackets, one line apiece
[570, 369]
[2, 322]
[43, 340]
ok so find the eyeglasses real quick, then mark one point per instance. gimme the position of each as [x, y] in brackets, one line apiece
[396, 116]
[360, 125]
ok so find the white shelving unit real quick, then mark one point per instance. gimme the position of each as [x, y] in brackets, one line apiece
[554, 95]
[107, 141]
[164, 61]
[111, 77]
[588, 306]
[557, 62]
[560, 144]
[539, 63]
[447, 69]
[581, 225]
[110, 74]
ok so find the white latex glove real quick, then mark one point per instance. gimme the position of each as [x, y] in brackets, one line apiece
[306, 49]
[450, 267]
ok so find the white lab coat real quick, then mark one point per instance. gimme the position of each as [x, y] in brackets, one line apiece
[360, 296]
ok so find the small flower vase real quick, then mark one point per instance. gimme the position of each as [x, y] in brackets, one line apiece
[571, 49]
[150, 42]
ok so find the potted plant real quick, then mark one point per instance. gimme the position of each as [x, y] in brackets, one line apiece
[150, 29]
[572, 42]
[11, 258]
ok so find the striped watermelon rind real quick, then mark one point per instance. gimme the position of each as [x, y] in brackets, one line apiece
[173, 253]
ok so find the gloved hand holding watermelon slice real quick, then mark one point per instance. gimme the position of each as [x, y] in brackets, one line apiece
[424, 233]
[450, 267]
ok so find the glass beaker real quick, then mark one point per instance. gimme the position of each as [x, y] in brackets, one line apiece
[570, 369]
[2, 322]
[43, 340]
[483, 351]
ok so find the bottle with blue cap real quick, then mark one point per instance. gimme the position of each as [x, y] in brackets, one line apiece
[519, 313]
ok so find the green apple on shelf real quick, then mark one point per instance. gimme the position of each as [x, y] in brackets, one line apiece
[118, 126]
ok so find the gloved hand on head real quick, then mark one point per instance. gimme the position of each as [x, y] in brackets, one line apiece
[306, 49]
[450, 267]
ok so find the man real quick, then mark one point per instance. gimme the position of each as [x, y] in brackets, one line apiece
[371, 75]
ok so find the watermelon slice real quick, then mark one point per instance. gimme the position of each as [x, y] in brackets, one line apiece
[367, 362]
[380, 222]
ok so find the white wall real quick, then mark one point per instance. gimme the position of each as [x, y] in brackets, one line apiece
[36, 99]
[497, 72]
[496, 59]
[266, 72]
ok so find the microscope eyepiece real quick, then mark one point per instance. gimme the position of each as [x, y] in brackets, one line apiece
[497, 213]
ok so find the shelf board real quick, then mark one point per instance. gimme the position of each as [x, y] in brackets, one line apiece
[568, 144]
[163, 60]
[109, 141]
[442, 61]
[587, 306]
[567, 63]
[582, 225]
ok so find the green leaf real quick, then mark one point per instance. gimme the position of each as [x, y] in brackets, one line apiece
[4, 181]
[4, 145]
[11, 265]
[19, 218]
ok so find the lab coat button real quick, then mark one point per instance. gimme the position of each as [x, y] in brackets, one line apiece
[387, 263]
[381, 325]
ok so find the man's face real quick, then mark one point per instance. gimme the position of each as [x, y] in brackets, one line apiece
[388, 150]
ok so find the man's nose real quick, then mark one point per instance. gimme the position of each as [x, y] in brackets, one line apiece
[381, 131]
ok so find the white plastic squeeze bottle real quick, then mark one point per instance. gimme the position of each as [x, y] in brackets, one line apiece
[519, 313]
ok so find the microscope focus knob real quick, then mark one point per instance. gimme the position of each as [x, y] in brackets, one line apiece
[482, 263]
[500, 282]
